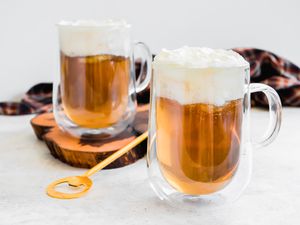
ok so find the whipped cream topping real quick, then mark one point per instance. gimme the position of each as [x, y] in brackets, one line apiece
[192, 75]
[90, 37]
[196, 57]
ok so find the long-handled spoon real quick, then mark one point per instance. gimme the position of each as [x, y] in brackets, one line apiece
[84, 180]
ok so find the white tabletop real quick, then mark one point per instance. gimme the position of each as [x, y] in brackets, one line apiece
[123, 196]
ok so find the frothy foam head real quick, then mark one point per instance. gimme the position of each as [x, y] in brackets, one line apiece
[89, 37]
[192, 75]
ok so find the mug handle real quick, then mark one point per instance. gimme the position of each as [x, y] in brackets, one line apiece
[143, 81]
[275, 109]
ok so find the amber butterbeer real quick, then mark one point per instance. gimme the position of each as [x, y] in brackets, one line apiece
[199, 95]
[95, 95]
[198, 144]
[94, 89]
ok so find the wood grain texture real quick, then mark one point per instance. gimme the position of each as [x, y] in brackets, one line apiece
[86, 153]
[42, 123]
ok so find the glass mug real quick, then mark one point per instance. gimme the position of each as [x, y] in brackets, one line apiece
[199, 147]
[95, 94]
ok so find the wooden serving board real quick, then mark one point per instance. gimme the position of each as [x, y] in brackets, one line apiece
[86, 153]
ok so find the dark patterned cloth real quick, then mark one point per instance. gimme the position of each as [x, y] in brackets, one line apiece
[277, 72]
[265, 67]
[37, 100]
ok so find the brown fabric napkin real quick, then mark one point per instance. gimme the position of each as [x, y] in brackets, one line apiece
[275, 71]
[265, 67]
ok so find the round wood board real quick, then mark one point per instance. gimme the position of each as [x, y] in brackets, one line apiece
[86, 153]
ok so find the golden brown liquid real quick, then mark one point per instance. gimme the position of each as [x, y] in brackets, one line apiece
[198, 145]
[95, 89]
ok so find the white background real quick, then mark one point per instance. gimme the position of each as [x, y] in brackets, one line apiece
[28, 38]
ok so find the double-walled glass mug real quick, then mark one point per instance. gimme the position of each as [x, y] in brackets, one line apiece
[95, 94]
[199, 147]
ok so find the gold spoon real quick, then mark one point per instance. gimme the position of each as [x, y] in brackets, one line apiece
[84, 180]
